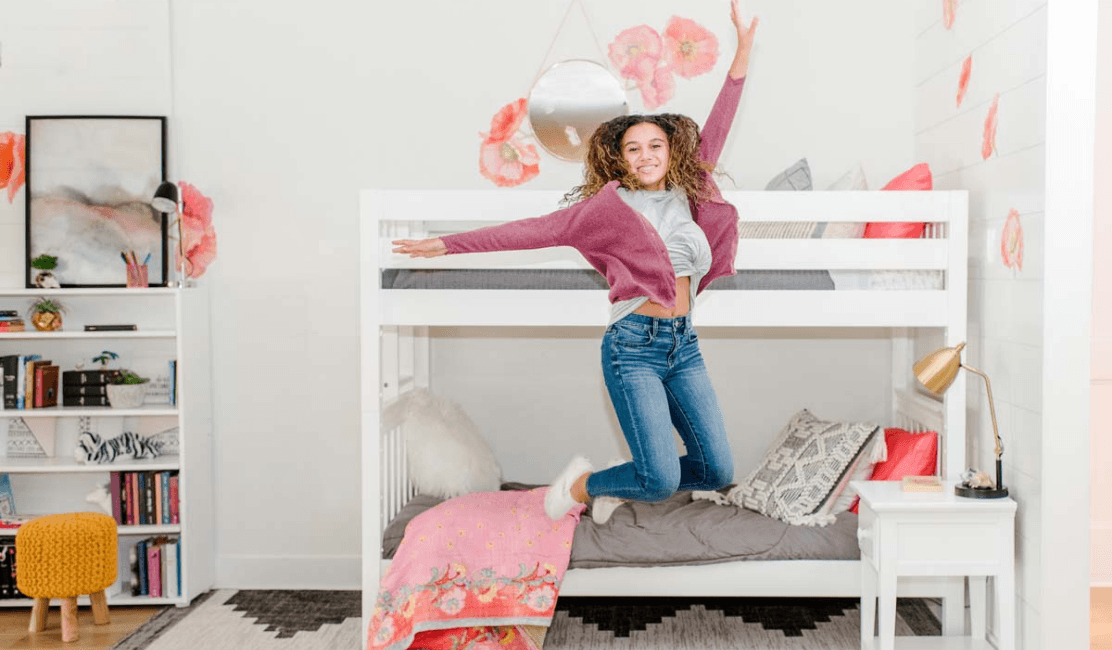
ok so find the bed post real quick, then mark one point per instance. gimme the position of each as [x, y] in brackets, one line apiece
[957, 278]
[369, 301]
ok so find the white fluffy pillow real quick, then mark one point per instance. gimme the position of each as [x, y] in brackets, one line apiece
[446, 453]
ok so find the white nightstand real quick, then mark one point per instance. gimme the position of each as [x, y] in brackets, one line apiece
[934, 534]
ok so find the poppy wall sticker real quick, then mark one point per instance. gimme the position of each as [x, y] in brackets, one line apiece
[949, 8]
[13, 154]
[963, 80]
[1011, 242]
[988, 141]
[504, 157]
[651, 62]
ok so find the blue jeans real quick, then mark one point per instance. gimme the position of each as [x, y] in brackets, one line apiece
[656, 379]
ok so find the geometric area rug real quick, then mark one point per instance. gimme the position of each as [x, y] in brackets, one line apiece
[229, 619]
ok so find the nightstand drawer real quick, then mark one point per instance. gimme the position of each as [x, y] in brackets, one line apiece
[973, 542]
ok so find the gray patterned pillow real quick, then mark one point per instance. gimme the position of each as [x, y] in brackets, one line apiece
[795, 178]
[801, 467]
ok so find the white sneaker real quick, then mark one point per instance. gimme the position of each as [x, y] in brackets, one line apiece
[603, 507]
[558, 500]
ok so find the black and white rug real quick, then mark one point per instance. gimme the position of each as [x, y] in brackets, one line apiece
[228, 619]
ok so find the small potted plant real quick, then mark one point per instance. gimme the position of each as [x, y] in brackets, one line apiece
[127, 390]
[45, 265]
[46, 314]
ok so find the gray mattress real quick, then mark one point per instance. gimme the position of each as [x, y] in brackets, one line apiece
[680, 531]
[550, 279]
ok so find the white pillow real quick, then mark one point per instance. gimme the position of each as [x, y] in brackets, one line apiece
[445, 452]
[854, 179]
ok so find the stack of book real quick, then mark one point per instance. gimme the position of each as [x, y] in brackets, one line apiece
[8, 588]
[156, 567]
[86, 387]
[28, 381]
[10, 321]
[145, 498]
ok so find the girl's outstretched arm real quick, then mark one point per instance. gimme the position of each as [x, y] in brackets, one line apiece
[721, 117]
[740, 67]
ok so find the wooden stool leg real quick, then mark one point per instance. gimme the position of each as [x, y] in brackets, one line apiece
[100, 608]
[38, 614]
[69, 620]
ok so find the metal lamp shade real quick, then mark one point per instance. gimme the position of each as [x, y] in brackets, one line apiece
[165, 197]
[938, 369]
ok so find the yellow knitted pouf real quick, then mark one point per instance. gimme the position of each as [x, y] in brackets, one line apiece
[64, 556]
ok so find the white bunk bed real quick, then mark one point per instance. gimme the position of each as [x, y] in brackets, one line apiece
[395, 347]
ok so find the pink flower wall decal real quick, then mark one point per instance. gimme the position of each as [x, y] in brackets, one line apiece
[988, 142]
[963, 80]
[691, 48]
[1011, 242]
[508, 162]
[636, 52]
[949, 8]
[506, 120]
[659, 90]
[12, 163]
[504, 158]
[197, 232]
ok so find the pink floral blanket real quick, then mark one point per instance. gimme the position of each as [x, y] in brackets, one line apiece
[478, 571]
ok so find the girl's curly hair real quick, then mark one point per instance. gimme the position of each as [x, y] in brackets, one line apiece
[605, 162]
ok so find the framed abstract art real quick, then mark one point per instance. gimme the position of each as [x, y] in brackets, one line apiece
[89, 183]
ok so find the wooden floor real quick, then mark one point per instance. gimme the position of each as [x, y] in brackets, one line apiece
[1100, 618]
[14, 634]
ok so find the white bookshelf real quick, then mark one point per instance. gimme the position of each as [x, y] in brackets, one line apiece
[172, 323]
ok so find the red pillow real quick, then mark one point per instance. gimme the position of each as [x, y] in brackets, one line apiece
[916, 178]
[909, 454]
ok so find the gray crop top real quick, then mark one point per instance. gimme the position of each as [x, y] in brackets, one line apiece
[669, 212]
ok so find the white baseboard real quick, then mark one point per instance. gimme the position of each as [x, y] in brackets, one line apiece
[340, 572]
[1100, 554]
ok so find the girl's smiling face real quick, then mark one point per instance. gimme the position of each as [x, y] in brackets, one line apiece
[645, 149]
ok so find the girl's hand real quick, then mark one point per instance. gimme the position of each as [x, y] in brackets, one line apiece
[420, 247]
[745, 34]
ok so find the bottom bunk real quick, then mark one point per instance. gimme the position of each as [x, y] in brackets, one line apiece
[684, 546]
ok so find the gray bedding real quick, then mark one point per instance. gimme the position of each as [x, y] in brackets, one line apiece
[680, 531]
[550, 279]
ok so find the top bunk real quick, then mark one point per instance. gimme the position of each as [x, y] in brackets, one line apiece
[808, 278]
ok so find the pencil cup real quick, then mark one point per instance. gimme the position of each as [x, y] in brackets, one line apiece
[136, 276]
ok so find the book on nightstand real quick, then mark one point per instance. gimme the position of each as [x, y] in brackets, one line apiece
[922, 484]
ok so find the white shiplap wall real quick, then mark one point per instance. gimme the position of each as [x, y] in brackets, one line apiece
[59, 57]
[1007, 42]
[1101, 367]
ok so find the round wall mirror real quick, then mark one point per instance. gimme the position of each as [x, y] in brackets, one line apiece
[569, 101]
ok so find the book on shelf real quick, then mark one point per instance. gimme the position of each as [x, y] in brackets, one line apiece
[110, 328]
[80, 390]
[144, 498]
[82, 377]
[14, 325]
[921, 484]
[9, 313]
[46, 386]
[85, 400]
[15, 521]
[156, 567]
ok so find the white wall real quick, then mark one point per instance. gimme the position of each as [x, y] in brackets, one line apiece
[60, 57]
[282, 111]
[1101, 369]
[816, 89]
[1007, 41]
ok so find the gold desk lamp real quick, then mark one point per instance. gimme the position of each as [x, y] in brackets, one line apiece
[937, 371]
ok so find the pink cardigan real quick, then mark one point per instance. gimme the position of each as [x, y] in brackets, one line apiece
[619, 242]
